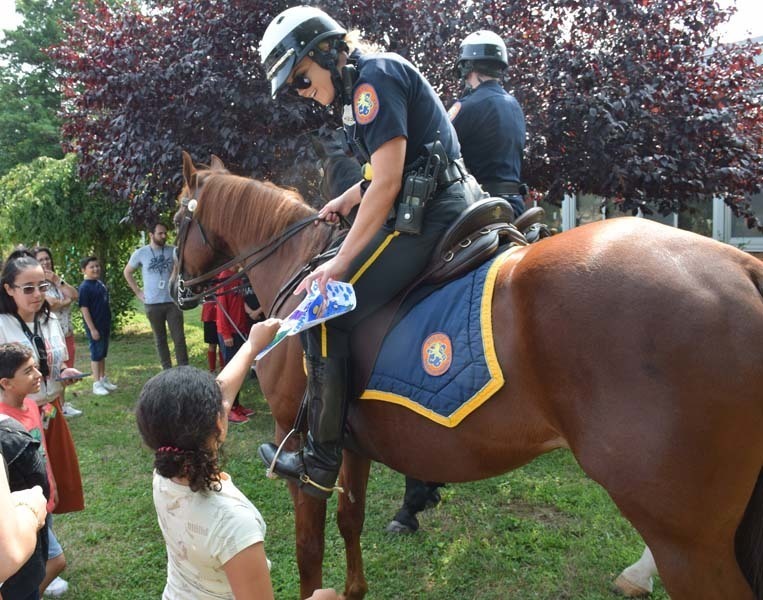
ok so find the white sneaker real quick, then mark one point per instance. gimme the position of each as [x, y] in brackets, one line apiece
[58, 587]
[71, 412]
[99, 390]
[107, 384]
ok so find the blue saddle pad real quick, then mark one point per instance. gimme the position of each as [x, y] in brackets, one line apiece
[439, 360]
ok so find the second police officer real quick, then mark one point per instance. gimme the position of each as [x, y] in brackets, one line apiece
[489, 121]
[491, 130]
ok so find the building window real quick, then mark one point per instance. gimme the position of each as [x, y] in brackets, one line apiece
[731, 229]
[554, 215]
[711, 219]
[697, 219]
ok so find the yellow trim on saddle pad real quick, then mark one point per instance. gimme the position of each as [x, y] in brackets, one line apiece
[493, 384]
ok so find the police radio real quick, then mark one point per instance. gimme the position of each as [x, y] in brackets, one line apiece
[419, 186]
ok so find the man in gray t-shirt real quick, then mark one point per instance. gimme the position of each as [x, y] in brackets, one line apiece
[156, 261]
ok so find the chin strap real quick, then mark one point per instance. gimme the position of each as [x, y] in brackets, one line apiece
[328, 60]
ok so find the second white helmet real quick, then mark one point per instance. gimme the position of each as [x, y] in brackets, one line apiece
[484, 45]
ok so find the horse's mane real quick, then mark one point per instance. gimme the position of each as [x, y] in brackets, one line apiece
[247, 209]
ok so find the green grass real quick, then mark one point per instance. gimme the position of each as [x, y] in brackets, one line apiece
[542, 532]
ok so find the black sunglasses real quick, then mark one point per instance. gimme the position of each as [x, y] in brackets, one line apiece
[30, 288]
[300, 82]
[42, 355]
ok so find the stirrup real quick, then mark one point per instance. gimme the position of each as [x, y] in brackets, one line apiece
[270, 471]
[304, 478]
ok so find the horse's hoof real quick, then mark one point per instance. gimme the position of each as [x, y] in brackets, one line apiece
[627, 588]
[398, 527]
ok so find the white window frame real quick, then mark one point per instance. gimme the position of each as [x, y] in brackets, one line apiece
[722, 221]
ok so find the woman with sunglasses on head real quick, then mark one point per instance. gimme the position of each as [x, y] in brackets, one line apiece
[60, 297]
[26, 318]
[397, 125]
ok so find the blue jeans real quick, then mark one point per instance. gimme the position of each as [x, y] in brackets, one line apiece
[54, 547]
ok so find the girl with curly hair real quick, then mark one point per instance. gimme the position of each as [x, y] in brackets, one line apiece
[214, 534]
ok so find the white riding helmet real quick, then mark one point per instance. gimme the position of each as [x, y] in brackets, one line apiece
[483, 47]
[290, 37]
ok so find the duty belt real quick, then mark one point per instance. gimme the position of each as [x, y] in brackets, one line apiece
[500, 188]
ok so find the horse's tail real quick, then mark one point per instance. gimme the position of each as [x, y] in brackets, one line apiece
[749, 540]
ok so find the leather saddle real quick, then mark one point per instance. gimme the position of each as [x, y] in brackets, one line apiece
[475, 237]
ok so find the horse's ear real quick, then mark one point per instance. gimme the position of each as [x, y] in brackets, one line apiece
[189, 171]
[216, 164]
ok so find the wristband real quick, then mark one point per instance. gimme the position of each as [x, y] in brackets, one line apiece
[30, 507]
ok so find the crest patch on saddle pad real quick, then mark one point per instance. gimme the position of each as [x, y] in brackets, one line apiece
[366, 103]
[437, 354]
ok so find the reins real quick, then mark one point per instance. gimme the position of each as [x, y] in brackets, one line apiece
[268, 248]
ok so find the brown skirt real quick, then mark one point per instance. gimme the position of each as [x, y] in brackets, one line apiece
[63, 462]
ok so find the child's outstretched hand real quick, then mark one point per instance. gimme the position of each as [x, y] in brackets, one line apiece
[261, 333]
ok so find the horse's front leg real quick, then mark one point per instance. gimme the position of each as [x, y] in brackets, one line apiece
[310, 523]
[351, 513]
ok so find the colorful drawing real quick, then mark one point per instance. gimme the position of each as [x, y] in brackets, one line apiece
[313, 310]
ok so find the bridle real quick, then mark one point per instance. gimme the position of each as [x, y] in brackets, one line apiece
[258, 254]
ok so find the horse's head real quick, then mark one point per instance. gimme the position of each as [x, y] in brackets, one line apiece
[198, 251]
[228, 221]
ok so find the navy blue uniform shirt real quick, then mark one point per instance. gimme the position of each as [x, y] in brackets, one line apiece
[391, 99]
[491, 129]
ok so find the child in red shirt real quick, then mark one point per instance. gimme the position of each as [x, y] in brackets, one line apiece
[232, 326]
[14, 403]
[209, 321]
[20, 377]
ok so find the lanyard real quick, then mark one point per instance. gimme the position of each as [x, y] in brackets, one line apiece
[38, 343]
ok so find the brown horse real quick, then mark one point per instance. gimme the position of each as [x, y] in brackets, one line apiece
[637, 346]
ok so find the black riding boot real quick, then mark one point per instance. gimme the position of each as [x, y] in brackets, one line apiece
[316, 466]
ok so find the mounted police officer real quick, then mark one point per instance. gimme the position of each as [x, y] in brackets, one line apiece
[397, 125]
[489, 121]
[491, 129]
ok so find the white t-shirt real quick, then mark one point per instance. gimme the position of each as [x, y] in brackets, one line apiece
[55, 343]
[203, 531]
[156, 267]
